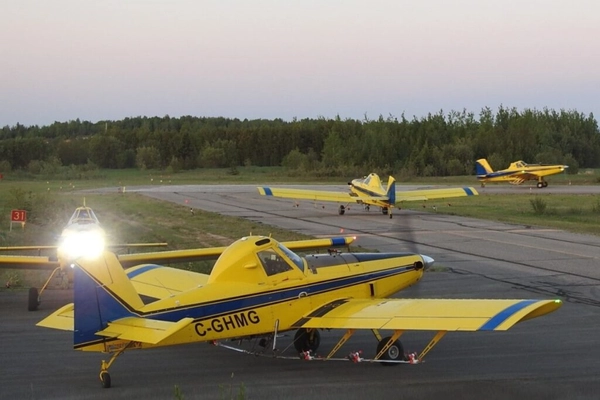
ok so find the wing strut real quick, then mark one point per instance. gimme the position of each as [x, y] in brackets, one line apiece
[339, 344]
[433, 342]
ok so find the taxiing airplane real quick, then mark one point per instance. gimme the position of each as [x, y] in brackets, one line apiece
[82, 236]
[260, 288]
[369, 191]
[517, 173]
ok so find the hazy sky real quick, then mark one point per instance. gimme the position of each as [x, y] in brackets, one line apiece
[110, 59]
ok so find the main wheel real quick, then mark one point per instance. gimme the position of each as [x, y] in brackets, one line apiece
[307, 339]
[341, 210]
[394, 353]
[544, 184]
[33, 300]
[540, 185]
[384, 210]
[105, 379]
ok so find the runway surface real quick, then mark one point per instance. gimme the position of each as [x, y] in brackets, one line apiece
[553, 357]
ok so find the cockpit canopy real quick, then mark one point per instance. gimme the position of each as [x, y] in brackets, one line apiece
[373, 181]
[257, 259]
[83, 215]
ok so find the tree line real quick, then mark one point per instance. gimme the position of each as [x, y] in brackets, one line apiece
[436, 145]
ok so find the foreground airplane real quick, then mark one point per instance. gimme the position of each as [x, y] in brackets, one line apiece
[369, 192]
[517, 173]
[82, 236]
[260, 288]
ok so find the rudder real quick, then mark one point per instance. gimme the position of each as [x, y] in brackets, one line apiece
[482, 167]
[102, 293]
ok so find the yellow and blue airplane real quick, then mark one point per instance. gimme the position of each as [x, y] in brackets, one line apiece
[82, 236]
[368, 191]
[517, 173]
[260, 288]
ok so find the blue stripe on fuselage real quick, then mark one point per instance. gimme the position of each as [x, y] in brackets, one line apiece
[370, 193]
[503, 315]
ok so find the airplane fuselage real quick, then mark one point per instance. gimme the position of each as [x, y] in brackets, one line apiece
[224, 310]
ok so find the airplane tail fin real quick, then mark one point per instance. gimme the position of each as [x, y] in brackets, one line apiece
[391, 190]
[482, 167]
[102, 293]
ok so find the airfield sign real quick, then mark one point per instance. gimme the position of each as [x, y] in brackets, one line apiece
[18, 216]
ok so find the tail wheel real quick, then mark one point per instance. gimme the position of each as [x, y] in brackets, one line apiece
[394, 353]
[105, 379]
[33, 300]
[307, 339]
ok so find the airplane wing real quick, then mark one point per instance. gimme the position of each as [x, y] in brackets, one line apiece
[28, 262]
[430, 194]
[212, 253]
[315, 195]
[343, 197]
[426, 314]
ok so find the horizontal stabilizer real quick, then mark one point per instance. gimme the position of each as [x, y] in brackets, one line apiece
[60, 319]
[143, 330]
[426, 314]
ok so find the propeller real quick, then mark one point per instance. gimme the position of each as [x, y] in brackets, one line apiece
[403, 229]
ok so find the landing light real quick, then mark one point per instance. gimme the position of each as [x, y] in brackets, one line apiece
[82, 244]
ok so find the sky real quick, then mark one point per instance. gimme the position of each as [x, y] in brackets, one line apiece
[107, 60]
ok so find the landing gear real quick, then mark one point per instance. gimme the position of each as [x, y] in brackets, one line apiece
[105, 379]
[367, 207]
[307, 340]
[390, 351]
[386, 211]
[104, 375]
[33, 300]
[341, 210]
[542, 184]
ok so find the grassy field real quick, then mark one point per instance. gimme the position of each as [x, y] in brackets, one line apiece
[133, 218]
[574, 213]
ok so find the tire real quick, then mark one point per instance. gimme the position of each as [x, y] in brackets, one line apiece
[394, 353]
[305, 340]
[105, 379]
[341, 210]
[384, 210]
[540, 185]
[33, 300]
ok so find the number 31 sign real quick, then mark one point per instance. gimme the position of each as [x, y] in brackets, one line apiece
[18, 216]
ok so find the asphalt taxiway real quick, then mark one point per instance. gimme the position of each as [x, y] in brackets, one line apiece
[553, 357]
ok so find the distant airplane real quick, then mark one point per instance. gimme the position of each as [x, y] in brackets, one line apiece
[81, 237]
[370, 192]
[517, 173]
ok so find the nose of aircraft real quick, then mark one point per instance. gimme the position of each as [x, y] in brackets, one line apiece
[428, 261]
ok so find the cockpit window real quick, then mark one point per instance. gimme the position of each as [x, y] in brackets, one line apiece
[296, 259]
[273, 263]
